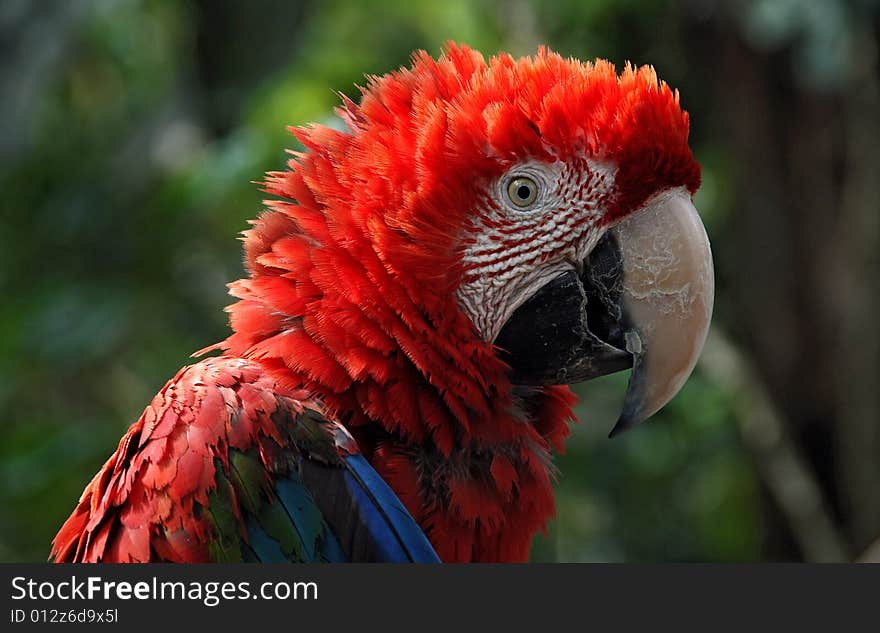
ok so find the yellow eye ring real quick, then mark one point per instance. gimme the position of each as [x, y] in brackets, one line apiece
[522, 191]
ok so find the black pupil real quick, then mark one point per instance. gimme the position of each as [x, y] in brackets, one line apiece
[523, 191]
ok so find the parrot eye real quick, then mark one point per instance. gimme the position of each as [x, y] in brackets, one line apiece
[522, 191]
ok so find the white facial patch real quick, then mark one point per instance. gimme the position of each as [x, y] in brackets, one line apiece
[514, 246]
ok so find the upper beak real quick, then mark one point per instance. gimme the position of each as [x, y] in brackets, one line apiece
[644, 300]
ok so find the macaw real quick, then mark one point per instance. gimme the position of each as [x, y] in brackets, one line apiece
[421, 289]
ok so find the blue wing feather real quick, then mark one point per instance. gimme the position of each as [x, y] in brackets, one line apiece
[397, 536]
[265, 548]
[330, 551]
[303, 513]
[356, 500]
[325, 502]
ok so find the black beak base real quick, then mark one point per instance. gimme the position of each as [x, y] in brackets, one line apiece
[573, 328]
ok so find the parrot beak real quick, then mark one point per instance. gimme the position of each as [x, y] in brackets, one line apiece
[644, 300]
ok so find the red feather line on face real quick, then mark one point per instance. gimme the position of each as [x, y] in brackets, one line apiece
[353, 273]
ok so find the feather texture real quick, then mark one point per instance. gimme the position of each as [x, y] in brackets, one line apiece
[212, 472]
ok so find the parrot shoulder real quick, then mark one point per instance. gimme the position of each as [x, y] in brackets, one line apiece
[224, 466]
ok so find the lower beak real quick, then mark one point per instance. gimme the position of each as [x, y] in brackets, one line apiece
[644, 300]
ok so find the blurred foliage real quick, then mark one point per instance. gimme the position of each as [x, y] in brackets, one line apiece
[133, 132]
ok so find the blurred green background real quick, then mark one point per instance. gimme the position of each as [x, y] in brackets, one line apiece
[132, 131]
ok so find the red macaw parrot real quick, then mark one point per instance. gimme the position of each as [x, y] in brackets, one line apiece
[421, 288]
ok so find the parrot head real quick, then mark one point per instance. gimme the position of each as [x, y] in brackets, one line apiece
[484, 226]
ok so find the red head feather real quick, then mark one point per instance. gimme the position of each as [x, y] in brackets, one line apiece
[353, 272]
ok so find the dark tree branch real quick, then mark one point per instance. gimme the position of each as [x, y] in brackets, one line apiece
[778, 459]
